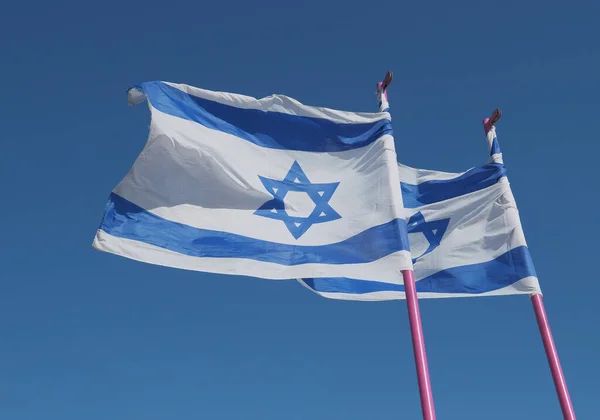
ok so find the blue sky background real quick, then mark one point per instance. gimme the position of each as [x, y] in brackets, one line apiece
[87, 335]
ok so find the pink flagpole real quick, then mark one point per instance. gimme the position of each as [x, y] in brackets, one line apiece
[412, 302]
[552, 354]
[538, 304]
[416, 329]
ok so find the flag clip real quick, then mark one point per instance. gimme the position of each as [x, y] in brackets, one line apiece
[495, 116]
[488, 123]
[387, 80]
[381, 92]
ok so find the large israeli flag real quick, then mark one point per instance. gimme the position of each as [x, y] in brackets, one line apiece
[268, 188]
[465, 237]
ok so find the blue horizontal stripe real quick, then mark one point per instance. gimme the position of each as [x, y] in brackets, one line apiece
[125, 219]
[495, 147]
[434, 191]
[274, 130]
[503, 271]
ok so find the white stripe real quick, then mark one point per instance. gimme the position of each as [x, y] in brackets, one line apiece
[491, 135]
[387, 269]
[208, 179]
[497, 158]
[415, 176]
[383, 101]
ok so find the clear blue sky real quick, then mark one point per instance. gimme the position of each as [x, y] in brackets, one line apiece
[87, 335]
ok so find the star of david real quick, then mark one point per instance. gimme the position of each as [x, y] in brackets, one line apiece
[297, 181]
[433, 231]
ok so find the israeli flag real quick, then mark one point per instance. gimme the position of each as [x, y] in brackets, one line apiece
[465, 236]
[267, 188]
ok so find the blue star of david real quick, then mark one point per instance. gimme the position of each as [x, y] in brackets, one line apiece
[296, 180]
[433, 231]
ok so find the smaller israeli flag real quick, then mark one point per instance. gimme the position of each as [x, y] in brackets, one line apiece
[465, 236]
[266, 188]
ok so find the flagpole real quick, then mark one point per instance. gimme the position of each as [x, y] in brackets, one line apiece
[412, 302]
[552, 354]
[416, 329]
[536, 299]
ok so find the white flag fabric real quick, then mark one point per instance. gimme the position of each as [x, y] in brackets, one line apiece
[266, 187]
[465, 236]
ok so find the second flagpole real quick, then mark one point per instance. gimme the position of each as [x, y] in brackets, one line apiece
[538, 304]
[412, 302]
